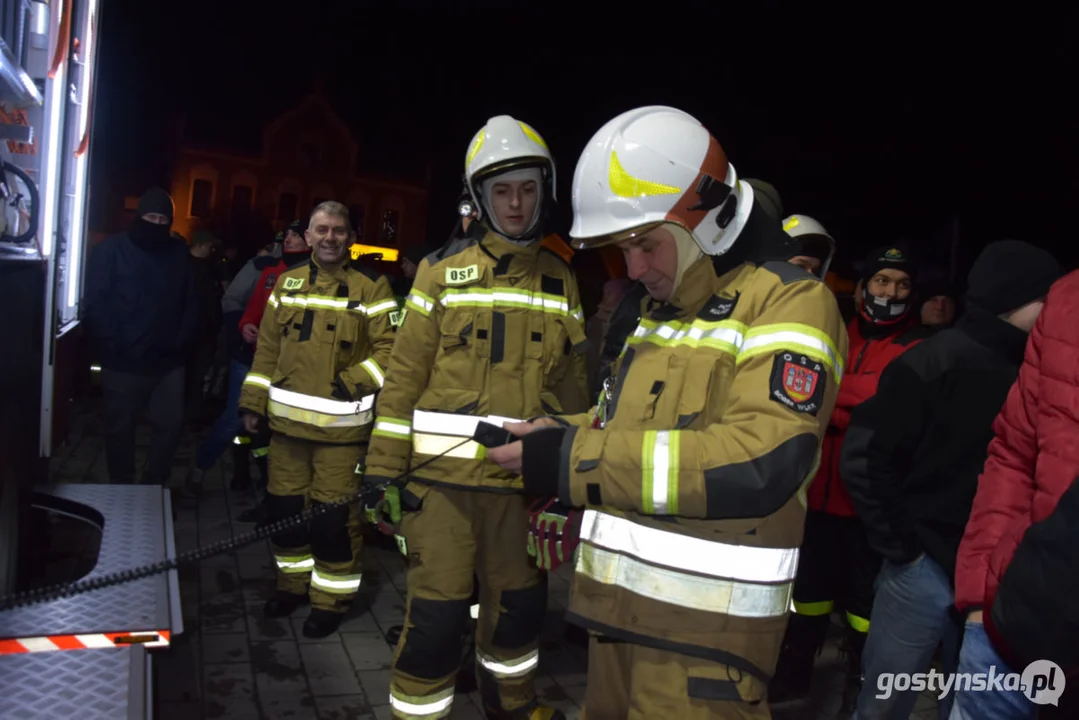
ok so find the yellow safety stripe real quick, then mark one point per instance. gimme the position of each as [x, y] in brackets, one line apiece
[706, 594]
[272, 301]
[421, 303]
[770, 339]
[325, 302]
[723, 335]
[813, 609]
[857, 623]
[295, 564]
[374, 370]
[315, 418]
[392, 428]
[260, 452]
[241, 440]
[344, 584]
[421, 707]
[687, 554]
[257, 380]
[659, 472]
[428, 444]
[512, 668]
[508, 297]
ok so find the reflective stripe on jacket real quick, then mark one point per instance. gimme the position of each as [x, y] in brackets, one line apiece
[695, 484]
[324, 342]
[491, 329]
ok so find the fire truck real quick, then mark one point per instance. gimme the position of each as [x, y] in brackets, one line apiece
[84, 655]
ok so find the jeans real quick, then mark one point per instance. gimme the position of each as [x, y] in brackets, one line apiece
[126, 395]
[228, 425]
[911, 616]
[978, 656]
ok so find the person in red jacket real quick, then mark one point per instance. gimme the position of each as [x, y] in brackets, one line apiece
[1019, 519]
[837, 566]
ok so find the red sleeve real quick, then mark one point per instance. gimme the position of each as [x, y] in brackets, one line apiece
[1006, 486]
[857, 388]
[256, 305]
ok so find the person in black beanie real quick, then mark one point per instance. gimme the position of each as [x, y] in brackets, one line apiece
[937, 307]
[141, 314]
[912, 457]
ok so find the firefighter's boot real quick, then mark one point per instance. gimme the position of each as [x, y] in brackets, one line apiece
[284, 604]
[793, 677]
[321, 623]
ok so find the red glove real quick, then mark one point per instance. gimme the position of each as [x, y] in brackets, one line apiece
[554, 531]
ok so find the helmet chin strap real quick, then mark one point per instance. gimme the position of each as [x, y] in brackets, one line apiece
[534, 174]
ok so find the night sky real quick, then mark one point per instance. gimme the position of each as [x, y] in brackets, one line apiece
[879, 142]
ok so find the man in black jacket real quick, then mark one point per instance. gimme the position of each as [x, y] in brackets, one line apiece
[911, 461]
[141, 312]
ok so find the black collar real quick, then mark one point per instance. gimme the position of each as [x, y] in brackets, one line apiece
[986, 329]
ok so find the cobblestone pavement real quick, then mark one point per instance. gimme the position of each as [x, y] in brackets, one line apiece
[231, 662]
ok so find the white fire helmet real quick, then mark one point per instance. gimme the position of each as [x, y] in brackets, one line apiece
[505, 145]
[810, 239]
[657, 165]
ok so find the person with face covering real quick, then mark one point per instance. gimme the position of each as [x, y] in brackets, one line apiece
[142, 311]
[493, 330]
[689, 468]
[838, 566]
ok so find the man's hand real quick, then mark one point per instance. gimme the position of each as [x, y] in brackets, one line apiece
[508, 457]
[251, 333]
[251, 423]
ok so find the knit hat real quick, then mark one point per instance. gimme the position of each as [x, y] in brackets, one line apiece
[296, 226]
[888, 257]
[155, 200]
[767, 196]
[1008, 274]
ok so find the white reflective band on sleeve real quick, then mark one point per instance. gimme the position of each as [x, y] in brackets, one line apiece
[509, 668]
[415, 708]
[375, 371]
[339, 585]
[793, 340]
[440, 423]
[726, 597]
[474, 611]
[322, 405]
[661, 469]
[272, 301]
[689, 554]
[381, 307]
[392, 427]
[420, 301]
[256, 379]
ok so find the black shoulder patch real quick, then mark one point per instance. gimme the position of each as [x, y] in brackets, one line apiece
[797, 382]
[369, 272]
[718, 308]
[787, 272]
[550, 285]
[453, 247]
[558, 257]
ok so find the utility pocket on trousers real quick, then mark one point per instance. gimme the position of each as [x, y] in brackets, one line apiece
[723, 683]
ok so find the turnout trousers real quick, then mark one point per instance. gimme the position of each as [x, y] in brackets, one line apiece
[634, 682]
[321, 557]
[453, 533]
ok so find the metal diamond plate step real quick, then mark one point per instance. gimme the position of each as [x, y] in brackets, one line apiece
[108, 684]
[137, 530]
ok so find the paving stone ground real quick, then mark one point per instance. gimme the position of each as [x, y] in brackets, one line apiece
[230, 662]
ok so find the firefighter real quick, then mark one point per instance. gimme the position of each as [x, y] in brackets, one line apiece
[690, 469]
[811, 247]
[323, 344]
[493, 329]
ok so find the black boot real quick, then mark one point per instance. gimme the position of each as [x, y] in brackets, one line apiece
[853, 645]
[793, 678]
[321, 623]
[283, 604]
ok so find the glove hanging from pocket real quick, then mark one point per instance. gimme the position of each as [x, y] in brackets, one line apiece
[554, 531]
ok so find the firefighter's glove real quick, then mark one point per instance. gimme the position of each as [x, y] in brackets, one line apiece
[554, 530]
[541, 453]
[340, 390]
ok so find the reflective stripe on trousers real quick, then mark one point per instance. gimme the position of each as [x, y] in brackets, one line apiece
[515, 667]
[421, 708]
[435, 433]
[738, 580]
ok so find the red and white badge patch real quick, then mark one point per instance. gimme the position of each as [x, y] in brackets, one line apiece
[798, 382]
